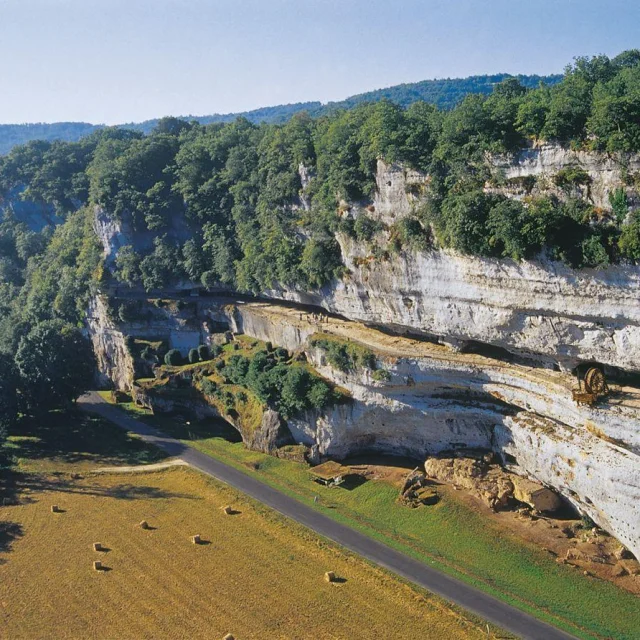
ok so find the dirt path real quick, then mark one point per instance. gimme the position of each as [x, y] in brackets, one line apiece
[143, 468]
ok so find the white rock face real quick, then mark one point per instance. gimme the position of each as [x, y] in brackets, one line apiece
[112, 233]
[398, 190]
[544, 161]
[546, 311]
[602, 479]
[115, 365]
[434, 400]
[540, 309]
[591, 455]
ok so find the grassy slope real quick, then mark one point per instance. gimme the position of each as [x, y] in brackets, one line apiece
[261, 576]
[448, 535]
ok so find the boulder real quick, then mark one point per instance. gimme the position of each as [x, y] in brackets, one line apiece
[490, 483]
[536, 495]
[622, 553]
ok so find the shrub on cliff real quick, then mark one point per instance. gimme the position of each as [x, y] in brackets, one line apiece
[193, 356]
[281, 354]
[236, 369]
[629, 243]
[203, 352]
[173, 358]
[209, 387]
[381, 375]
[320, 395]
[346, 356]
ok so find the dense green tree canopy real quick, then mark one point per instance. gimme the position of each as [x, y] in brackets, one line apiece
[55, 362]
[256, 206]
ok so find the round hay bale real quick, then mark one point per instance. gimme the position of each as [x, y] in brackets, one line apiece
[144, 524]
[330, 576]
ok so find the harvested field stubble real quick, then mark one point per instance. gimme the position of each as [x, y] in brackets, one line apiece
[157, 583]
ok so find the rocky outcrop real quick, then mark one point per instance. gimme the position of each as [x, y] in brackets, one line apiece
[606, 171]
[539, 309]
[272, 434]
[543, 311]
[433, 400]
[599, 477]
[492, 485]
[536, 495]
[496, 487]
[115, 233]
[115, 364]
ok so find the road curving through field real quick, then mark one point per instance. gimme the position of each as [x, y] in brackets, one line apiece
[419, 573]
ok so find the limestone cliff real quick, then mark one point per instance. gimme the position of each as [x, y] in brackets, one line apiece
[545, 317]
[606, 172]
[115, 365]
[539, 309]
[432, 399]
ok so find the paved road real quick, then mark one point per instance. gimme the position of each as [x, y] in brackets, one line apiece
[497, 612]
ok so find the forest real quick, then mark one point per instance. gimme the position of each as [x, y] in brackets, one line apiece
[444, 94]
[237, 188]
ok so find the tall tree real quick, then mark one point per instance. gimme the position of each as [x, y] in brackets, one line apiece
[56, 365]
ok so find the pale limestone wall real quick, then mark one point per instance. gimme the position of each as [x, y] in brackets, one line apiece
[465, 401]
[546, 160]
[539, 309]
[115, 365]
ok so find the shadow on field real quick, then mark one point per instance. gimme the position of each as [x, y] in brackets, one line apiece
[177, 425]
[22, 488]
[75, 436]
[9, 532]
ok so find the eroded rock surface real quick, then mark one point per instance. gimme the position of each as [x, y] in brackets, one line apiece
[432, 399]
[544, 317]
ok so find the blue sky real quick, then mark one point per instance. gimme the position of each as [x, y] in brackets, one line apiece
[113, 61]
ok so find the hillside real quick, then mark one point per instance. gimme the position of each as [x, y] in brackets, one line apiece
[503, 233]
[445, 93]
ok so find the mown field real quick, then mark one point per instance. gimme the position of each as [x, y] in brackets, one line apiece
[257, 576]
[448, 535]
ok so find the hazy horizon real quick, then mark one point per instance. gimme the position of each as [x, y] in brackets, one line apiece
[118, 62]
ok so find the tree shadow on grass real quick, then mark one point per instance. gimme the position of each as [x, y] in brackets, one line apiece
[75, 436]
[23, 488]
[136, 492]
[183, 427]
[9, 533]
